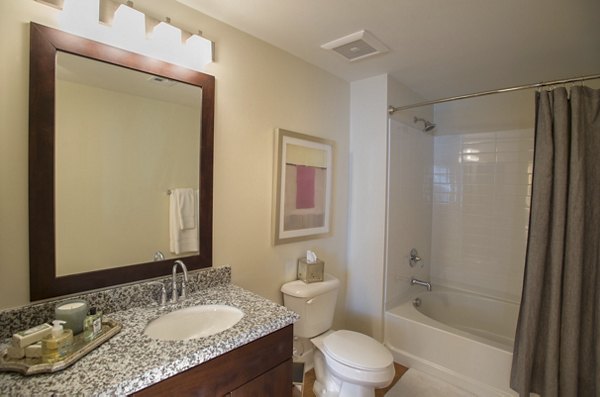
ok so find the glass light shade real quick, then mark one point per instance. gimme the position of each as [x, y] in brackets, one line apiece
[129, 29]
[84, 11]
[81, 17]
[198, 52]
[166, 43]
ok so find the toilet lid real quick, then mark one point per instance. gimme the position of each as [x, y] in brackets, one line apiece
[357, 350]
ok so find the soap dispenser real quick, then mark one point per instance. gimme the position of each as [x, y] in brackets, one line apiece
[57, 345]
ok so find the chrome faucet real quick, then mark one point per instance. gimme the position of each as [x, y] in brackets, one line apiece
[183, 283]
[414, 281]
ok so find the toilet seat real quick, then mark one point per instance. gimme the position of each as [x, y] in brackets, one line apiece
[357, 351]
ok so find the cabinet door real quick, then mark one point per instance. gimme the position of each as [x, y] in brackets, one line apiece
[233, 370]
[276, 382]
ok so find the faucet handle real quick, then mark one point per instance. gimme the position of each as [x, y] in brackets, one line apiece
[414, 258]
[159, 256]
[163, 292]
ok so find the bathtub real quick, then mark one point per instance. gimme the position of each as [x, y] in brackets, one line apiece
[461, 337]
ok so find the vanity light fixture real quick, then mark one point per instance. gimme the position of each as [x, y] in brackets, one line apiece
[128, 30]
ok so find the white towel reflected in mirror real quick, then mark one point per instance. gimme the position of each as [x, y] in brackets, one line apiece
[183, 220]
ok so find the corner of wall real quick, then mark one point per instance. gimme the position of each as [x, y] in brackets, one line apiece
[366, 234]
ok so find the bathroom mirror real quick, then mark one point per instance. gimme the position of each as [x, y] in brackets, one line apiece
[98, 192]
[123, 140]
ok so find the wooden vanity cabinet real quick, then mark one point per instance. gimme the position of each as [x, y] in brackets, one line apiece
[262, 368]
[264, 385]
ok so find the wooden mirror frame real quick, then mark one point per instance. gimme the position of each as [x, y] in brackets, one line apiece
[43, 281]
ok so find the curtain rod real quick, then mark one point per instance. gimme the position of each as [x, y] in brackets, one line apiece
[393, 109]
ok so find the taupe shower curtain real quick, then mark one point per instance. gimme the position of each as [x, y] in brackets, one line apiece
[557, 344]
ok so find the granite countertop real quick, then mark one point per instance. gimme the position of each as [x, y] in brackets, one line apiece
[131, 361]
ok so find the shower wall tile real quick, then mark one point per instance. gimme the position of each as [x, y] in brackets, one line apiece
[481, 200]
[484, 137]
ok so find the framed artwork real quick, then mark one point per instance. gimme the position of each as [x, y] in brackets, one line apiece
[304, 169]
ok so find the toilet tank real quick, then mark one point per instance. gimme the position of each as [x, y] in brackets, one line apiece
[314, 302]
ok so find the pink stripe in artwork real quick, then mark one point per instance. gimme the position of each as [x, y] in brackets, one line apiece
[305, 187]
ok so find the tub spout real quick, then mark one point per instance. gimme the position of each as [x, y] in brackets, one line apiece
[414, 281]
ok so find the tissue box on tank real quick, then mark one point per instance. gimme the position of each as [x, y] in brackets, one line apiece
[310, 272]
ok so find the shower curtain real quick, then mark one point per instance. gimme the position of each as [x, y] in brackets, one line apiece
[557, 344]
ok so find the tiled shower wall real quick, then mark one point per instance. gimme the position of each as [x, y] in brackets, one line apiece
[481, 200]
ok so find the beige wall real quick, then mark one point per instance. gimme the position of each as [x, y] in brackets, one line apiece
[258, 88]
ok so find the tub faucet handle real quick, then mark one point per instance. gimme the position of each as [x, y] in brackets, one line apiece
[414, 258]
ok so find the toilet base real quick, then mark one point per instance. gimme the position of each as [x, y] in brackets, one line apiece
[327, 384]
[303, 352]
[347, 390]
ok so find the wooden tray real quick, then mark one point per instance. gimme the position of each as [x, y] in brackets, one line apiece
[80, 347]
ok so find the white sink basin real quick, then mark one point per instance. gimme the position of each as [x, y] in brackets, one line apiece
[194, 322]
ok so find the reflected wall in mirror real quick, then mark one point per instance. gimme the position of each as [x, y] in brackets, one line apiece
[111, 132]
[123, 139]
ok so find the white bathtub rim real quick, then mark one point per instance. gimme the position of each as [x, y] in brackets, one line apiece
[490, 294]
[463, 291]
[455, 378]
[429, 322]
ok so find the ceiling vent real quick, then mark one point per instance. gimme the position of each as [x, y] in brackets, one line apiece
[356, 46]
[162, 81]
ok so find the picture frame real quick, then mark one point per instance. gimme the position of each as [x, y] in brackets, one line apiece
[303, 187]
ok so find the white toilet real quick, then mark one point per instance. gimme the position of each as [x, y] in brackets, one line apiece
[347, 363]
